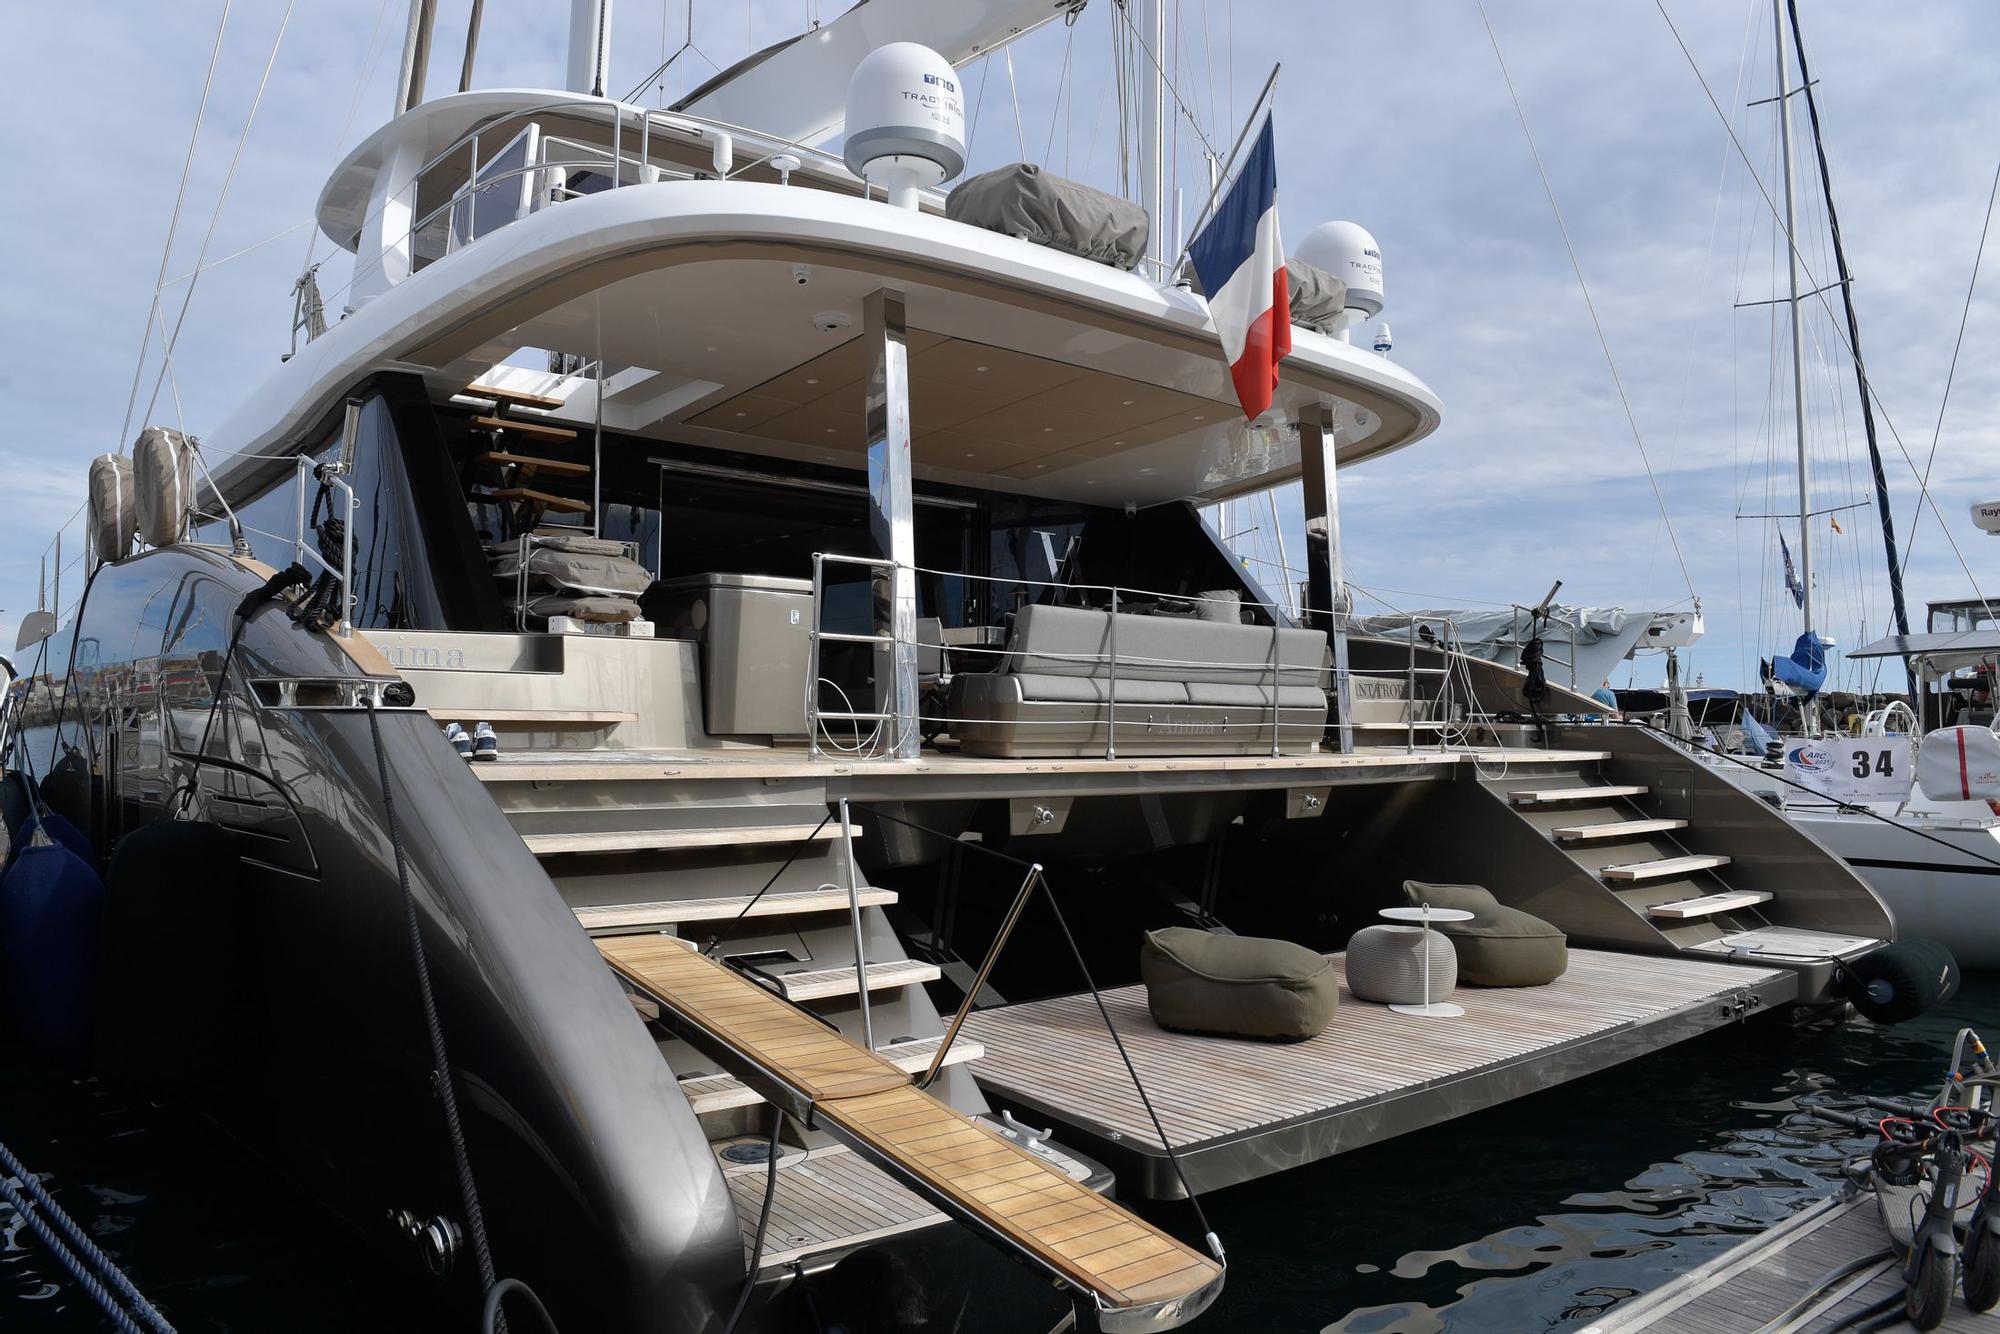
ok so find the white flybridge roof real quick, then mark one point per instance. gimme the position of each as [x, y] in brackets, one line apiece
[1031, 370]
[796, 91]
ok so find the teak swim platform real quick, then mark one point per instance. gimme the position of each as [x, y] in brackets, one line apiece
[1239, 1110]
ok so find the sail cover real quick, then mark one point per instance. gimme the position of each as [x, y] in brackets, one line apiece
[1602, 635]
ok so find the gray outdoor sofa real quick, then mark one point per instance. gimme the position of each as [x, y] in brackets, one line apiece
[1183, 687]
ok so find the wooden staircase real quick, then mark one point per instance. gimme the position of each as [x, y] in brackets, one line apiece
[1637, 855]
[525, 478]
[760, 878]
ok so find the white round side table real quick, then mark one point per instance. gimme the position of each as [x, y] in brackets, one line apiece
[1424, 916]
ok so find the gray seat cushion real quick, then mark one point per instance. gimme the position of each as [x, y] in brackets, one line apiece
[1095, 690]
[1237, 986]
[1500, 946]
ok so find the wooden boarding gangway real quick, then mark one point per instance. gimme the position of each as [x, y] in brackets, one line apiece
[1134, 1275]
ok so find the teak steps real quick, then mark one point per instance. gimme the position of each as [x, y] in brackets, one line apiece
[1136, 1276]
[504, 398]
[527, 465]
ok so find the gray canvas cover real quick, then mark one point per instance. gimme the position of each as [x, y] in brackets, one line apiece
[610, 611]
[162, 484]
[113, 516]
[579, 542]
[582, 572]
[1036, 205]
[1316, 296]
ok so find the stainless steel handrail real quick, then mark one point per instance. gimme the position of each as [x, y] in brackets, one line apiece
[1270, 671]
[853, 877]
[720, 136]
[1028, 883]
[815, 636]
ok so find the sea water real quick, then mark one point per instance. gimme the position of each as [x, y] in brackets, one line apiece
[1537, 1215]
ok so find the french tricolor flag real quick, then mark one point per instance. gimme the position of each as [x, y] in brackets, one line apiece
[1241, 262]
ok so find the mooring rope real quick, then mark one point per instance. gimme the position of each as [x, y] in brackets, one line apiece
[95, 1271]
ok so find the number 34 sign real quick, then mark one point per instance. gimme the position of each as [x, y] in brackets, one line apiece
[1870, 768]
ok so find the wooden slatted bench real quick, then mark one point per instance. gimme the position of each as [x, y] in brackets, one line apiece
[1136, 1275]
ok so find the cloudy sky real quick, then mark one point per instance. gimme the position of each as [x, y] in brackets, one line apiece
[1395, 116]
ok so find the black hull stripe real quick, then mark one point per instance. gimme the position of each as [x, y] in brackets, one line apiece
[1925, 866]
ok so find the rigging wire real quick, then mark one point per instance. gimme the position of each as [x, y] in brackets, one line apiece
[1138, 39]
[1617, 382]
[1964, 315]
[1014, 91]
[1819, 295]
[1064, 93]
[174, 222]
[368, 58]
[666, 62]
[221, 198]
[1714, 233]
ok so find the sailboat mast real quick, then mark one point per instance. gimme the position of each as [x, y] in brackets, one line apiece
[1846, 280]
[1798, 332]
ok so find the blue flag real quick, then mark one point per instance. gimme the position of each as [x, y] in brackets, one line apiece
[1792, 584]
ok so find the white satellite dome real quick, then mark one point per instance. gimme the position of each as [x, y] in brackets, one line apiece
[1986, 516]
[905, 121]
[1349, 253]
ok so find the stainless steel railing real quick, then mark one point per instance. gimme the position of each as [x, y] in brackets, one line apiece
[638, 129]
[1112, 659]
[816, 636]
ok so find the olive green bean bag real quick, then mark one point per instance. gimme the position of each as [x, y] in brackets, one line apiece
[1500, 946]
[1237, 986]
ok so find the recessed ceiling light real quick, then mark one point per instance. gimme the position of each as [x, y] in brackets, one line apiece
[829, 430]
[1128, 402]
[742, 414]
[1041, 465]
[971, 456]
[1145, 470]
[1047, 429]
[1199, 417]
[810, 380]
[982, 369]
[1116, 443]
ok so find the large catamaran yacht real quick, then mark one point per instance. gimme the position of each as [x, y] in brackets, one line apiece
[809, 559]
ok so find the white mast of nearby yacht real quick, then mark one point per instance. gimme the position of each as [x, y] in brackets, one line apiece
[1798, 334]
[1149, 20]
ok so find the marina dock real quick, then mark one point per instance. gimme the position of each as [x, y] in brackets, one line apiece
[1778, 1276]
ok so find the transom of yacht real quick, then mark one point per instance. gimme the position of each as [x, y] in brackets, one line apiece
[810, 565]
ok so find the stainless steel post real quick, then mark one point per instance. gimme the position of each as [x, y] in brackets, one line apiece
[1410, 693]
[1326, 581]
[1111, 694]
[812, 659]
[1028, 883]
[853, 877]
[299, 490]
[892, 524]
[1277, 628]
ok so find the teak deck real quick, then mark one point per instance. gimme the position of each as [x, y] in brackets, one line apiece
[936, 1151]
[1238, 1109]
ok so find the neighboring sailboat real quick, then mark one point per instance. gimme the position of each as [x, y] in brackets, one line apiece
[1934, 860]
